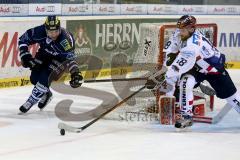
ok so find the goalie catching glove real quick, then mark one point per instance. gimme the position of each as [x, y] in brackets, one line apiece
[152, 82]
[163, 82]
[76, 80]
[156, 79]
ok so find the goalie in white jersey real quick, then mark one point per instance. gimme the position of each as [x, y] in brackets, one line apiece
[192, 58]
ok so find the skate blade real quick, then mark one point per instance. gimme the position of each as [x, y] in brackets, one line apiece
[20, 113]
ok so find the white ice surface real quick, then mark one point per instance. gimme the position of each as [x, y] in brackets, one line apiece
[35, 136]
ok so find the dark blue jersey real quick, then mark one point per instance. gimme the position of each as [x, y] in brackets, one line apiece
[63, 45]
[61, 49]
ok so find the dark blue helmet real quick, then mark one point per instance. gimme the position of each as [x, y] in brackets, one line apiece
[52, 23]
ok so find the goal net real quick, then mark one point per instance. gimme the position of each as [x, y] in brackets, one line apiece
[147, 60]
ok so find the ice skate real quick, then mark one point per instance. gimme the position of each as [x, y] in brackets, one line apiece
[184, 121]
[47, 97]
[25, 107]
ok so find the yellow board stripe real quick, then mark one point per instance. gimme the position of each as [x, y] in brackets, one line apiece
[232, 65]
[23, 81]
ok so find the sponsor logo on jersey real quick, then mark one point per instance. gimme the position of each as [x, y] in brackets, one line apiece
[66, 45]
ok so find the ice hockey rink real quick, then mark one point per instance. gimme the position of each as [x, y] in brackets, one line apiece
[36, 136]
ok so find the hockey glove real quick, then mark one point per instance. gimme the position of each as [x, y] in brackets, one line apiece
[25, 59]
[76, 80]
[153, 81]
[150, 84]
[170, 58]
[29, 62]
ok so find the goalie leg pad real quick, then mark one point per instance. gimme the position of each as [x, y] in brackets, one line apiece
[167, 110]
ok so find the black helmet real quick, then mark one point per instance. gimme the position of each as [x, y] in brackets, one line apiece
[186, 21]
[52, 23]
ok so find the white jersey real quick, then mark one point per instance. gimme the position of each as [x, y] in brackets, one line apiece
[196, 51]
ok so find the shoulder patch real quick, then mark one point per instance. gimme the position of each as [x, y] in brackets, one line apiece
[65, 44]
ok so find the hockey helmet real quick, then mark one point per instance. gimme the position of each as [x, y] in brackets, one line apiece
[52, 23]
[186, 21]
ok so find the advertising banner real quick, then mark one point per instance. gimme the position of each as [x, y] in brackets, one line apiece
[9, 53]
[106, 9]
[223, 9]
[45, 9]
[192, 9]
[133, 9]
[77, 9]
[13, 9]
[107, 38]
[162, 9]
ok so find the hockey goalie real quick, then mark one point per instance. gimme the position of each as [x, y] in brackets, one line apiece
[191, 58]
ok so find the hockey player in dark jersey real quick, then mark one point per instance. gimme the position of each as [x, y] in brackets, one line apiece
[56, 48]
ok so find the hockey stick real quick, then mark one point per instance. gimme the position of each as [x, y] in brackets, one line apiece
[114, 80]
[65, 127]
[217, 118]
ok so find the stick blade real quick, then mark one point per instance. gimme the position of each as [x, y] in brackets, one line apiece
[69, 128]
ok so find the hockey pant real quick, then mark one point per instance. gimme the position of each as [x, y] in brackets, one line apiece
[228, 92]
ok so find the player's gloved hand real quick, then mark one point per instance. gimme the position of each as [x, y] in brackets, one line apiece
[28, 61]
[150, 84]
[76, 80]
[170, 58]
[154, 80]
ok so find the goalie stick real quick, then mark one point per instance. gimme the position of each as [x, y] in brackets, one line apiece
[65, 127]
[217, 118]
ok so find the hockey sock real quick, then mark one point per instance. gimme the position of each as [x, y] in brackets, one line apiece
[38, 91]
